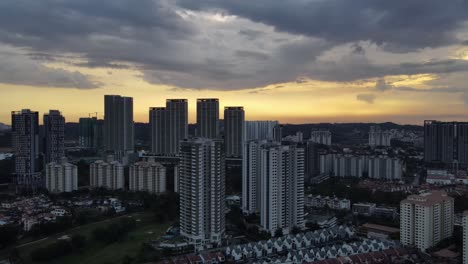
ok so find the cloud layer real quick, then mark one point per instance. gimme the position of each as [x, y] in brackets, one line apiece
[234, 44]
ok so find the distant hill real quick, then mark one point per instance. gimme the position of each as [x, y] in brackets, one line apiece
[4, 127]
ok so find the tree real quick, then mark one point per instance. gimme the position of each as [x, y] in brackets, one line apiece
[8, 235]
[279, 232]
[295, 230]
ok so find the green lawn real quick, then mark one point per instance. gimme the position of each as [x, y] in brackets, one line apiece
[99, 253]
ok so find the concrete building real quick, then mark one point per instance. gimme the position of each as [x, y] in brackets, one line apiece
[281, 186]
[25, 143]
[379, 137]
[234, 118]
[61, 177]
[259, 130]
[465, 237]
[91, 133]
[278, 133]
[118, 125]
[426, 219]
[446, 142]
[251, 176]
[366, 209]
[169, 125]
[208, 118]
[202, 191]
[385, 168]
[54, 137]
[149, 176]
[321, 137]
[108, 174]
[312, 160]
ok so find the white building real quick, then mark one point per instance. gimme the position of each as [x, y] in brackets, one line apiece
[378, 137]
[321, 137]
[426, 219]
[251, 176]
[259, 130]
[202, 191]
[61, 177]
[147, 176]
[331, 202]
[385, 168]
[281, 187]
[440, 177]
[465, 237]
[108, 174]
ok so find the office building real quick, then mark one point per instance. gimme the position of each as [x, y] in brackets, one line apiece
[208, 118]
[446, 143]
[426, 219]
[321, 137]
[379, 137]
[273, 184]
[107, 174]
[25, 143]
[91, 133]
[465, 237]
[118, 125]
[169, 125]
[149, 176]
[234, 130]
[54, 137]
[61, 176]
[260, 130]
[202, 191]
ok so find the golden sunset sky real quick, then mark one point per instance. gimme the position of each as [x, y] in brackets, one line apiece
[298, 68]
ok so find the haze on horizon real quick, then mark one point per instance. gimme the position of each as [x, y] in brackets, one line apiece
[297, 61]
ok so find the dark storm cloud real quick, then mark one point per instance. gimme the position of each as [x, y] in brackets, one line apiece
[170, 45]
[400, 24]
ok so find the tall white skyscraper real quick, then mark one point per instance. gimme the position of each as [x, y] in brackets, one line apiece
[260, 130]
[25, 143]
[169, 125]
[251, 176]
[321, 137]
[234, 130]
[208, 118]
[118, 125]
[426, 219]
[202, 191]
[147, 176]
[108, 174]
[273, 184]
[61, 176]
[281, 187]
[54, 136]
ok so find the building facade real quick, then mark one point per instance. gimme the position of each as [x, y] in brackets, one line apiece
[465, 237]
[54, 136]
[426, 219]
[208, 118]
[251, 176]
[234, 118]
[379, 137]
[260, 130]
[25, 143]
[446, 142]
[118, 125]
[321, 137]
[169, 125]
[91, 133]
[107, 174]
[281, 187]
[61, 177]
[149, 176]
[202, 191]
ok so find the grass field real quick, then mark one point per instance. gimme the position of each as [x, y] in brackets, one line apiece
[99, 253]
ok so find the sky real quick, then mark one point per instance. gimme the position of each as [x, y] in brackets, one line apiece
[296, 61]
